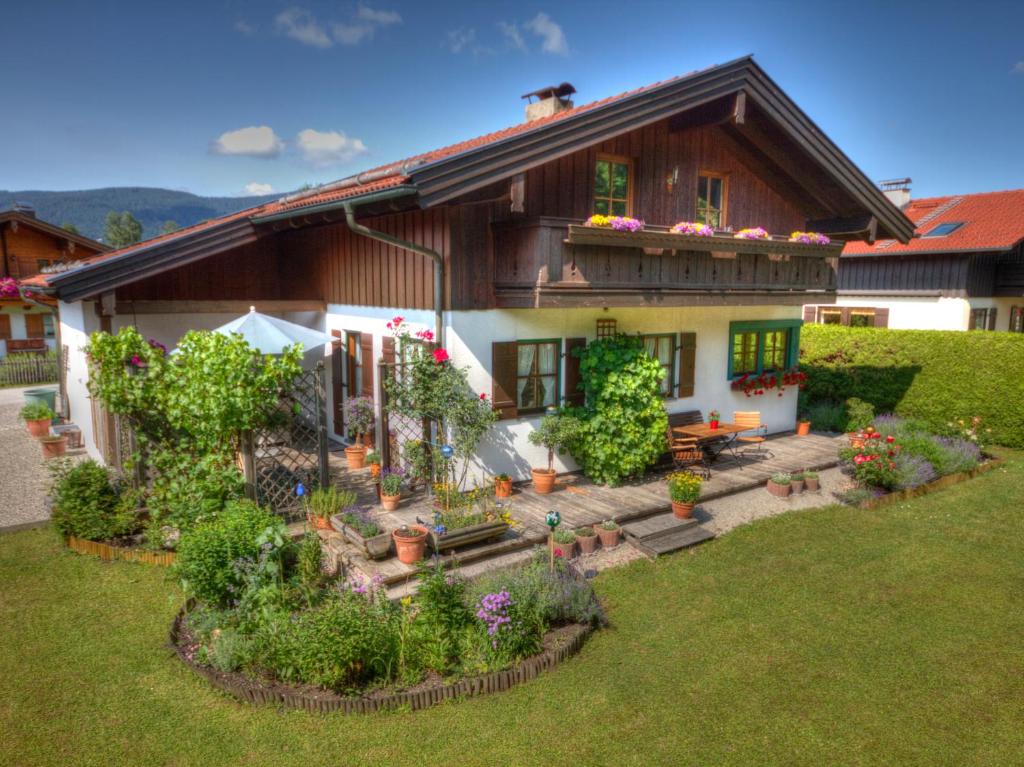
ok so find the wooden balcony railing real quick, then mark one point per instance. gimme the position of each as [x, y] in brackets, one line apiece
[556, 262]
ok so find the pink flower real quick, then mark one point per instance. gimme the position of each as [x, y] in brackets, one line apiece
[397, 320]
[136, 360]
[483, 395]
[890, 439]
[558, 553]
[440, 356]
[426, 335]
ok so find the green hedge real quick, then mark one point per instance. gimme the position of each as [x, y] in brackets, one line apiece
[931, 375]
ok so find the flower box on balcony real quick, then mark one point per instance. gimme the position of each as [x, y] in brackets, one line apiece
[721, 245]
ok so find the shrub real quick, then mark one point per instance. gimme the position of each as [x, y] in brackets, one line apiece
[624, 412]
[827, 416]
[443, 615]
[208, 553]
[86, 504]
[190, 486]
[859, 414]
[325, 502]
[309, 563]
[36, 411]
[935, 376]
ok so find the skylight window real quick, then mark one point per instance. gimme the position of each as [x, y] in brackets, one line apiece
[943, 229]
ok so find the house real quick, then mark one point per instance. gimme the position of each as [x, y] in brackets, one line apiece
[480, 242]
[27, 246]
[964, 269]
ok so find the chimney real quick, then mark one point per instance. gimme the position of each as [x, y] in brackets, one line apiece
[897, 190]
[550, 100]
[24, 209]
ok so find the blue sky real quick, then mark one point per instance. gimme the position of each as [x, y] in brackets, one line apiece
[218, 97]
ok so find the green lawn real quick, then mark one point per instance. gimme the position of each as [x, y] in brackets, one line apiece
[818, 638]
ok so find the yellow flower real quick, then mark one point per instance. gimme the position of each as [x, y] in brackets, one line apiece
[406, 601]
[599, 220]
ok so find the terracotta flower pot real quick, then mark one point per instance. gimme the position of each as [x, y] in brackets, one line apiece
[319, 523]
[811, 485]
[567, 549]
[356, 456]
[39, 427]
[53, 447]
[503, 488]
[390, 502]
[803, 428]
[375, 470]
[779, 491]
[587, 543]
[543, 480]
[609, 538]
[682, 510]
[410, 547]
[796, 486]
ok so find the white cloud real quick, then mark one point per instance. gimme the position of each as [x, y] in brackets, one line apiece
[460, 39]
[256, 188]
[325, 148]
[551, 34]
[380, 18]
[299, 24]
[1018, 68]
[244, 27]
[352, 34]
[512, 35]
[254, 141]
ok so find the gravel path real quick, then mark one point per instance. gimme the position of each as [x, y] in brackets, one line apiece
[24, 479]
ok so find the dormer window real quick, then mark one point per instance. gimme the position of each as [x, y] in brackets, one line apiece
[613, 186]
[943, 229]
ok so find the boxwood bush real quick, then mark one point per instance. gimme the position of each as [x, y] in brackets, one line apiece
[88, 505]
[935, 376]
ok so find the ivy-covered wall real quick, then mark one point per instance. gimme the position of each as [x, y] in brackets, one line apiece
[932, 375]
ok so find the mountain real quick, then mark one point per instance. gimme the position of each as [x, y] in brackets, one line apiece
[87, 209]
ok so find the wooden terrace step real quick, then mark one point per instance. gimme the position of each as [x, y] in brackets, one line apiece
[664, 533]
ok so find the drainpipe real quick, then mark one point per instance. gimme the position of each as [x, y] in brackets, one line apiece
[350, 219]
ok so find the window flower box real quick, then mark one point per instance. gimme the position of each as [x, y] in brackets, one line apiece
[724, 245]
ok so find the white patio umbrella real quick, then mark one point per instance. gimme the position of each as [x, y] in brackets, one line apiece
[271, 335]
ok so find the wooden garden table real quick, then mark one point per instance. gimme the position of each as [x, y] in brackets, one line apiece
[712, 441]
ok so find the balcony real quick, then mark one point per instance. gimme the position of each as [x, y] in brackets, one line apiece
[552, 262]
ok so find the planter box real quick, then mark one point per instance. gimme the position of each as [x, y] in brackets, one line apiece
[465, 536]
[377, 547]
[725, 244]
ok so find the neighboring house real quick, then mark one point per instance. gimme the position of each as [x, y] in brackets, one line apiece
[27, 246]
[477, 242]
[964, 270]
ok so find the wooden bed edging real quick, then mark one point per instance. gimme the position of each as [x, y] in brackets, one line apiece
[933, 486]
[247, 691]
[107, 552]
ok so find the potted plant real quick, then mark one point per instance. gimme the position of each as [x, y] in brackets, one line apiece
[556, 432]
[360, 416]
[324, 502]
[587, 538]
[713, 418]
[373, 460]
[811, 481]
[54, 447]
[565, 541]
[503, 486]
[684, 490]
[37, 417]
[359, 528]
[391, 488]
[803, 426]
[780, 485]
[608, 533]
[410, 543]
[796, 482]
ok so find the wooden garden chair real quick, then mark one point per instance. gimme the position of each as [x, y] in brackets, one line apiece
[688, 455]
[750, 420]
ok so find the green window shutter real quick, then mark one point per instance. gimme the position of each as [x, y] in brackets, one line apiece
[687, 363]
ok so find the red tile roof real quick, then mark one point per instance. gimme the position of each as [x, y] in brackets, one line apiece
[991, 221]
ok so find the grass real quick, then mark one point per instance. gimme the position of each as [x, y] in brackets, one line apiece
[833, 636]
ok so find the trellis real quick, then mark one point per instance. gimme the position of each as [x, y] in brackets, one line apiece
[397, 430]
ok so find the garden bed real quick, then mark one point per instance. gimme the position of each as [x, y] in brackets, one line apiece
[941, 483]
[110, 551]
[559, 644]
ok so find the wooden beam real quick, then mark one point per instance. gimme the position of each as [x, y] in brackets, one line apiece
[849, 228]
[218, 307]
[739, 112]
[557, 298]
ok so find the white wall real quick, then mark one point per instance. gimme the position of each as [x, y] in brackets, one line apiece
[18, 328]
[77, 321]
[469, 336]
[933, 312]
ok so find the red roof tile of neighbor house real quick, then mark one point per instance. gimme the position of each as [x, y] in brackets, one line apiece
[990, 221]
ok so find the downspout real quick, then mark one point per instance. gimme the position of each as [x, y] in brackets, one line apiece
[350, 219]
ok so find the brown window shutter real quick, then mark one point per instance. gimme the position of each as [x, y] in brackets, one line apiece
[387, 351]
[34, 325]
[687, 363]
[504, 364]
[14, 267]
[992, 318]
[970, 320]
[5, 326]
[881, 318]
[810, 312]
[368, 364]
[573, 383]
[337, 391]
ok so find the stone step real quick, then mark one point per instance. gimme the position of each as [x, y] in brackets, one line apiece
[688, 536]
[656, 527]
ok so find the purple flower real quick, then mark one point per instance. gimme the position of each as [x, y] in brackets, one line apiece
[913, 471]
[154, 344]
[626, 224]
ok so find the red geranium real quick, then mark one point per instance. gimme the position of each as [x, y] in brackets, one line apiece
[440, 356]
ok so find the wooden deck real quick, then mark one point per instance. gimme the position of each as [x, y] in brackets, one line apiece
[581, 502]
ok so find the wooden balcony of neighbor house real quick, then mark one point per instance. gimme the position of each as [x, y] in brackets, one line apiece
[555, 262]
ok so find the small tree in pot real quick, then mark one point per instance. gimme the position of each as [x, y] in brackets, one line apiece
[556, 432]
[360, 417]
